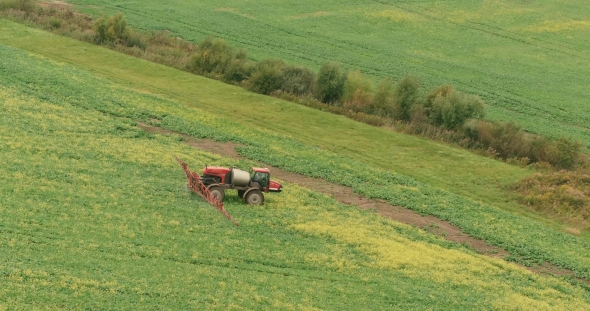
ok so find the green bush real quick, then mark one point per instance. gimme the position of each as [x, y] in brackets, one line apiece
[330, 83]
[358, 92]
[440, 91]
[135, 39]
[111, 29]
[568, 153]
[451, 108]
[509, 140]
[384, 99]
[267, 76]
[215, 59]
[298, 81]
[506, 139]
[54, 22]
[406, 94]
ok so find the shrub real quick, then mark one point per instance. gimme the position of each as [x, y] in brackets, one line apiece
[330, 83]
[298, 81]
[451, 108]
[508, 140]
[135, 39]
[238, 69]
[418, 114]
[406, 95]
[54, 23]
[505, 139]
[215, 59]
[568, 153]
[267, 76]
[314, 103]
[384, 99]
[440, 91]
[358, 92]
[111, 29]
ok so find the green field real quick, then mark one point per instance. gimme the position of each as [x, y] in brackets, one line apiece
[452, 184]
[528, 59]
[95, 214]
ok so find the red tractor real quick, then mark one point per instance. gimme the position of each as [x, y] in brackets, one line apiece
[250, 185]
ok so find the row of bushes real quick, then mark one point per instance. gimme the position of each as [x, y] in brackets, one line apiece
[444, 106]
[112, 31]
[442, 110]
[442, 113]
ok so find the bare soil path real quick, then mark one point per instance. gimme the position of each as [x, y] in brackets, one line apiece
[346, 195]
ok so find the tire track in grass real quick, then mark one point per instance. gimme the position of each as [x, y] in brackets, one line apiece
[346, 195]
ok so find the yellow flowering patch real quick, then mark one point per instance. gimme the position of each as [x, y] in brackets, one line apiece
[559, 26]
[396, 15]
[432, 263]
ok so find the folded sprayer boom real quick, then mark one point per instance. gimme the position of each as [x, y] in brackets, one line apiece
[193, 182]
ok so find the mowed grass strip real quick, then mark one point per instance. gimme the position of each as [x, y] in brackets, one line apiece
[528, 60]
[95, 214]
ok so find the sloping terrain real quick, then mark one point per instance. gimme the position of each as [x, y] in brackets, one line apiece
[95, 214]
[528, 59]
[527, 240]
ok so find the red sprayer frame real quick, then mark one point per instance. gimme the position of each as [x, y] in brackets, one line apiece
[193, 182]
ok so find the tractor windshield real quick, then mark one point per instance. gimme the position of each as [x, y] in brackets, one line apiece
[260, 177]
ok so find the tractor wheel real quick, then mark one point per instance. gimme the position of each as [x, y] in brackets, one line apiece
[241, 193]
[254, 197]
[217, 192]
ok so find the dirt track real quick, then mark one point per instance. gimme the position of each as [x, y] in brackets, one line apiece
[347, 196]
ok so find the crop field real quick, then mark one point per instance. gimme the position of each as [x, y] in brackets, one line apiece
[528, 59]
[219, 108]
[95, 214]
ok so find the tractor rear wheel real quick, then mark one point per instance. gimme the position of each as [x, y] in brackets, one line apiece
[254, 197]
[217, 192]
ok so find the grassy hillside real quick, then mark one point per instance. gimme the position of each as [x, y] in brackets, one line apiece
[448, 168]
[527, 59]
[266, 140]
[95, 214]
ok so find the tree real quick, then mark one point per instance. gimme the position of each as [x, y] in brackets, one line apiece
[112, 29]
[267, 76]
[406, 95]
[358, 92]
[451, 108]
[384, 98]
[330, 83]
[217, 60]
[298, 81]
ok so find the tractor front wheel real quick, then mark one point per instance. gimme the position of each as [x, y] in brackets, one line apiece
[254, 197]
[217, 192]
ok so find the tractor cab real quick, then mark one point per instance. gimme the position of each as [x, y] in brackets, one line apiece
[262, 177]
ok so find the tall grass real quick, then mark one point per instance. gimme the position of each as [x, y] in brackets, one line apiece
[562, 194]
